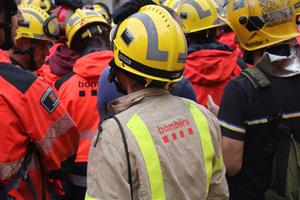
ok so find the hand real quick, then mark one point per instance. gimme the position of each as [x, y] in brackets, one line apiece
[212, 107]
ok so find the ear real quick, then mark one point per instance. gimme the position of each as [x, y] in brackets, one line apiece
[19, 43]
[23, 43]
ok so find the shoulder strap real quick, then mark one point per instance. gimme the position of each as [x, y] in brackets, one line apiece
[125, 148]
[278, 144]
[256, 77]
[241, 63]
[126, 152]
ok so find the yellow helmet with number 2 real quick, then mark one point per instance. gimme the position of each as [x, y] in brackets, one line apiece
[151, 44]
[198, 15]
[259, 24]
[32, 26]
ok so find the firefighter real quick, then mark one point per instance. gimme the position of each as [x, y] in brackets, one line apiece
[108, 91]
[61, 58]
[259, 112]
[158, 146]
[32, 44]
[210, 65]
[38, 138]
[87, 33]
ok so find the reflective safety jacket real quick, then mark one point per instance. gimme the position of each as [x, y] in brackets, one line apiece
[174, 147]
[209, 68]
[4, 58]
[78, 92]
[30, 112]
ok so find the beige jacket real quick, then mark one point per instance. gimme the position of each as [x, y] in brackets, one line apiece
[181, 159]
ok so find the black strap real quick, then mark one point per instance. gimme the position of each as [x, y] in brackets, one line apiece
[171, 75]
[125, 147]
[256, 77]
[42, 175]
[279, 142]
[21, 174]
[126, 152]
[282, 159]
[241, 63]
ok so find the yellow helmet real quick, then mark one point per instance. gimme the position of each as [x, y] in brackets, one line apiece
[297, 7]
[142, 45]
[198, 15]
[46, 5]
[80, 19]
[32, 26]
[103, 10]
[258, 25]
[173, 4]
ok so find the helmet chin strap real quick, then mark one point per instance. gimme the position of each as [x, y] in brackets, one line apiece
[112, 79]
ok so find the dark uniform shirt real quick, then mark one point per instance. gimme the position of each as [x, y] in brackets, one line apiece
[243, 115]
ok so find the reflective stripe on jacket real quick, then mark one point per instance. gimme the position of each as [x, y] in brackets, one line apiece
[31, 112]
[174, 148]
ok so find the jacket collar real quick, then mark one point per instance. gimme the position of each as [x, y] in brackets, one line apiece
[125, 102]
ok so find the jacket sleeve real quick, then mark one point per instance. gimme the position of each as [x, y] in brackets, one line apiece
[107, 169]
[218, 188]
[48, 125]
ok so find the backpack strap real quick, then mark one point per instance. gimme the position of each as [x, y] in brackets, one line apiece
[241, 63]
[125, 147]
[256, 77]
[279, 143]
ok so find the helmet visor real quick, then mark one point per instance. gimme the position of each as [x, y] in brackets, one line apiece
[51, 26]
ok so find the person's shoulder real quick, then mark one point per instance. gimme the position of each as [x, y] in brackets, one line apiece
[58, 84]
[110, 131]
[239, 83]
[17, 77]
[201, 108]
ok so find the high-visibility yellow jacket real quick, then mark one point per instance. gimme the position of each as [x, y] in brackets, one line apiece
[174, 147]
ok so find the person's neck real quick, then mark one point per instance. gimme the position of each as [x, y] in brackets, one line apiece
[21, 59]
[131, 89]
[257, 56]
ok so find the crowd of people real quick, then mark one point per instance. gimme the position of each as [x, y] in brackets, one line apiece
[174, 99]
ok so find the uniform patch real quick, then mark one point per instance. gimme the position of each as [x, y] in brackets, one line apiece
[49, 100]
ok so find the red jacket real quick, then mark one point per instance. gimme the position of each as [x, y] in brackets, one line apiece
[31, 112]
[229, 39]
[78, 92]
[209, 70]
[4, 57]
[46, 74]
